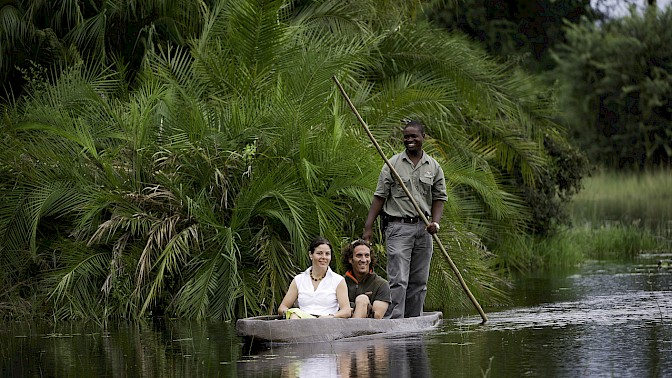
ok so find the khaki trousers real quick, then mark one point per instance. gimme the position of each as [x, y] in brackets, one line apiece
[409, 253]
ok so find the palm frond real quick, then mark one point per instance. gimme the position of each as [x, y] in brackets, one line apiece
[255, 33]
[89, 35]
[215, 284]
[16, 30]
[173, 256]
[76, 281]
[276, 268]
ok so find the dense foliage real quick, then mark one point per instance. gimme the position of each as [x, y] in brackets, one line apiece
[617, 78]
[522, 31]
[193, 189]
[48, 32]
[522, 34]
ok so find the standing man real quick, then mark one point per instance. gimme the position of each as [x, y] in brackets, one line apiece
[408, 241]
[368, 292]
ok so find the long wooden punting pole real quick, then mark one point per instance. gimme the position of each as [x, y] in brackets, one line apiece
[410, 196]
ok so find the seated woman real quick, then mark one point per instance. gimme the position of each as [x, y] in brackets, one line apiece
[318, 290]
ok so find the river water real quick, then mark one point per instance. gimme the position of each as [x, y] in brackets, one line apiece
[604, 319]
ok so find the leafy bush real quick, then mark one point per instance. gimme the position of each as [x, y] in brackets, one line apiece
[617, 82]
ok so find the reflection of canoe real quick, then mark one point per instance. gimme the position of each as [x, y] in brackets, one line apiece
[272, 329]
[367, 356]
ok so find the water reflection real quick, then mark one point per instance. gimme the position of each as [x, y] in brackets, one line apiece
[374, 356]
[158, 349]
[613, 320]
[605, 319]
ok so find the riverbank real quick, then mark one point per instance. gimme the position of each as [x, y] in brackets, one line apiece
[616, 216]
[603, 319]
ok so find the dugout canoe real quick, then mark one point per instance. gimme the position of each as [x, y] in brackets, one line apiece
[264, 329]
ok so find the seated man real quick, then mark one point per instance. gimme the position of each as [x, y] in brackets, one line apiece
[369, 293]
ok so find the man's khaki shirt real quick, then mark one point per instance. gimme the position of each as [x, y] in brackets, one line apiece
[425, 181]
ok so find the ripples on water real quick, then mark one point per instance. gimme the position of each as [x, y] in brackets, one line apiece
[609, 320]
[607, 310]
[604, 320]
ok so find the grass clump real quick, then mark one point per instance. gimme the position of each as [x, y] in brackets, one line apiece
[643, 199]
[617, 216]
[573, 245]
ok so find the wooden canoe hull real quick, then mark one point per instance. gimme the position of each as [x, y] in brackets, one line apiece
[270, 329]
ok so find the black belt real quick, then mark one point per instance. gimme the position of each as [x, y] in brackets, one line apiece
[404, 219]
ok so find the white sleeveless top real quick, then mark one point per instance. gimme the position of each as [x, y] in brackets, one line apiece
[322, 301]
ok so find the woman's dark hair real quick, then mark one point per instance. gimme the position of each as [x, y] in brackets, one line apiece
[319, 241]
[349, 251]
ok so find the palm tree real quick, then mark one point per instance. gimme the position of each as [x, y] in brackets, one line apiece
[49, 33]
[196, 192]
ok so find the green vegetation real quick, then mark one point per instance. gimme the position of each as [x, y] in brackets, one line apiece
[192, 188]
[617, 215]
[186, 175]
[63, 32]
[574, 245]
[613, 75]
[522, 31]
[617, 82]
[636, 198]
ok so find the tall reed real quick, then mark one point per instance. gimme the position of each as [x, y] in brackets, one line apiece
[641, 199]
[616, 216]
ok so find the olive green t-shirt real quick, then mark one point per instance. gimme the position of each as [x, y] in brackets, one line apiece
[374, 286]
[425, 181]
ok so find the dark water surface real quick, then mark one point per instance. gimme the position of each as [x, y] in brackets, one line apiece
[603, 320]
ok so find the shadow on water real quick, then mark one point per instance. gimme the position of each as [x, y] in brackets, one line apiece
[604, 319]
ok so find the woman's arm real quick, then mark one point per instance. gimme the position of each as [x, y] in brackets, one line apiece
[344, 310]
[289, 299]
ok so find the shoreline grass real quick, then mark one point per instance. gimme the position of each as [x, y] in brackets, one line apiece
[625, 197]
[574, 245]
[616, 216]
